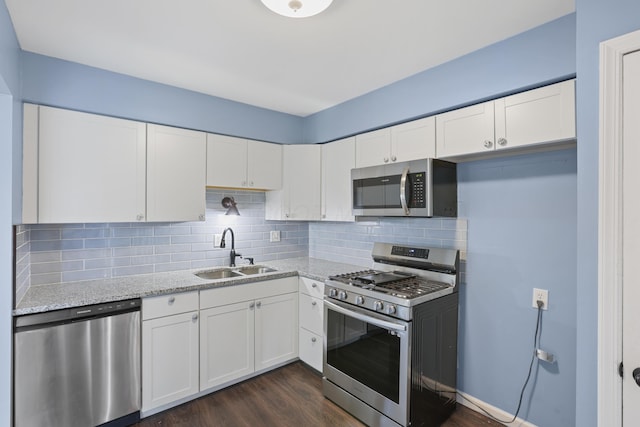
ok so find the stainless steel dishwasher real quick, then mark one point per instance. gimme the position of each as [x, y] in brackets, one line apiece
[78, 367]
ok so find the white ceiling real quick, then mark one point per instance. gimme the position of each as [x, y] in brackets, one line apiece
[240, 50]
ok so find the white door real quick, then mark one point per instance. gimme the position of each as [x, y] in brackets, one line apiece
[414, 140]
[264, 165]
[338, 158]
[226, 161]
[467, 130]
[631, 238]
[276, 338]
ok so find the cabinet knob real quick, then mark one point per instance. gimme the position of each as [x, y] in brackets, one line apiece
[386, 160]
[250, 183]
[324, 216]
[252, 304]
[259, 304]
[488, 144]
[314, 303]
[244, 183]
[394, 158]
[139, 217]
[313, 339]
[194, 317]
[314, 285]
[202, 217]
[286, 215]
[502, 141]
[171, 300]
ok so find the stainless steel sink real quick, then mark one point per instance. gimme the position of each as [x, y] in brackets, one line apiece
[249, 270]
[217, 274]
[255, 269]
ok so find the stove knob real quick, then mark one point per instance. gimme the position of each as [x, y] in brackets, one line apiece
[333, 293]
[342, 295]
[378, 306]
[359, 300]
[391, 309]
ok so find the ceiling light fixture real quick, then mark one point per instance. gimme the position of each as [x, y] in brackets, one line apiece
[297, 8]
[230, 204]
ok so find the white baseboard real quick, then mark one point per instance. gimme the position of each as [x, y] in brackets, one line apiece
[473, 403]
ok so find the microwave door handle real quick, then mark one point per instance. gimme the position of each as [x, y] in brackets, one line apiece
[403, 190]
[368, 319]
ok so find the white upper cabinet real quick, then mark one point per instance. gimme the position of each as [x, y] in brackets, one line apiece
[525, 120]
[176, 174]
[408, 141]
[299, 198]
[338, 158]
[240, 163]
[81, 167]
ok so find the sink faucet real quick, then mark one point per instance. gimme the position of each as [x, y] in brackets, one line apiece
[232, 254]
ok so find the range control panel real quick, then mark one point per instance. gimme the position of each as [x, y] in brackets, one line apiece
[410, 252]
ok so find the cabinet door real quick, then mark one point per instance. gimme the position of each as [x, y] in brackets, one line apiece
[373, 148]
[226, 161]
[264, 165]
[338, 158]
[169, 359]
[414, 140]
[90, 168]
[276, 336]
[465, 131]
[302, 182]
[176, 174]
[537, 116]
[226, 343]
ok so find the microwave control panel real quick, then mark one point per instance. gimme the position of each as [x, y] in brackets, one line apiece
[417, 198]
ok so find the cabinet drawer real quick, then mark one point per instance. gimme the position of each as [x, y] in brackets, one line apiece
[312, 287]
[310, 349]
[167, 305]
[311, 313]
[247, 291]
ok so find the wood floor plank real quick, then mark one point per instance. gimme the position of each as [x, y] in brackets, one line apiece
[290, 396]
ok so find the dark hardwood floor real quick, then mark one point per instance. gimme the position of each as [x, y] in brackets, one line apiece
[289, 396]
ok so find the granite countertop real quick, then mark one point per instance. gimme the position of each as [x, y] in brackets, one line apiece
[43, 298]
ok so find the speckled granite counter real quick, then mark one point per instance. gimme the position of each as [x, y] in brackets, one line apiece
[57, 296]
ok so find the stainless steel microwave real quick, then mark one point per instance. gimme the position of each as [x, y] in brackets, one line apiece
[420, 188]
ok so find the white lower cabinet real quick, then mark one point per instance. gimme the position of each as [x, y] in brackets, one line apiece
[247, 329]
[170, 357]
[311, 313]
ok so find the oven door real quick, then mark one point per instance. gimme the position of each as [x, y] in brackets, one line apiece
[368, 355]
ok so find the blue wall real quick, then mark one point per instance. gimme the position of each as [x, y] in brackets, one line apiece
[10, 138]
[59, 83]
[521, 215]
[598, 20]
[542, 55]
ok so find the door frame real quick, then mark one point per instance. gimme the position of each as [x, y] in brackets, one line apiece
[610, 227]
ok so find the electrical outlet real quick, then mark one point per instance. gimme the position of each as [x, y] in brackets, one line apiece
[217, 238]
[545, 356]
[540, 295]
[274, 236]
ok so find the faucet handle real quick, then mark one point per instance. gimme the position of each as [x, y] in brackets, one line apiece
[250, 259]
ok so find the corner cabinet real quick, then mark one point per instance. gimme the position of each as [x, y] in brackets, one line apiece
[87, 168]
[299, 199]
[401, 143]
[338, 158]
[527, 120]
[241, 163]
[176, 174]
[169, 349]
[247, 329]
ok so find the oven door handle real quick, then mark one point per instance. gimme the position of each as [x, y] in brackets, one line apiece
[403, 190]
[369, 319]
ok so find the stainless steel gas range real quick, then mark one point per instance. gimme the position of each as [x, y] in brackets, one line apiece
[390, 337]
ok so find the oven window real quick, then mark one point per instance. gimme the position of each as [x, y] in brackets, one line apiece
[364, 352]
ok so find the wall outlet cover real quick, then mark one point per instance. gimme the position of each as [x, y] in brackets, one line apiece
[217, 238]
[275, 236]
[540, 295]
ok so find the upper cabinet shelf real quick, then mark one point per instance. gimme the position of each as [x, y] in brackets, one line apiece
[525, 121]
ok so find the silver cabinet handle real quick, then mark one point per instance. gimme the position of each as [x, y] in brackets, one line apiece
[488, 144]
[314, 285]
[244, 183]
[259, 304]
[403, 189]
[250, 183]
[502, 141]
[314, 303]
[202, 217]
[386, 160]
[194, 317]
[313, 339]
[139, 217]
[172, 300]
[394, 158]
[252, 304]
